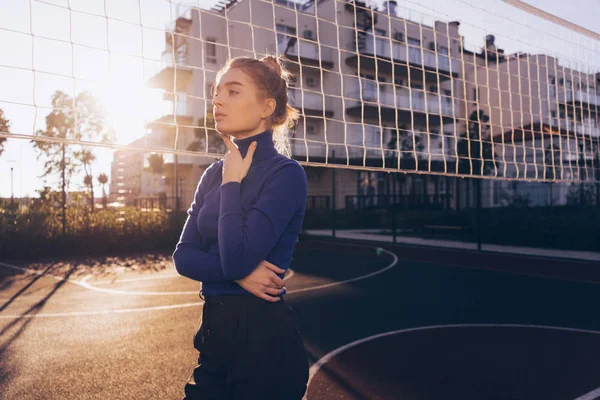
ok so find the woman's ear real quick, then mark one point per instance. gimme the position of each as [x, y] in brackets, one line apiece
[269, 108]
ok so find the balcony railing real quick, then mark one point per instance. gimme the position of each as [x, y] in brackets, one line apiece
[380, 47]
[415, 100]
[579, 128]
[179, 58]
[585, 97]
[312, 100]
[304, 49]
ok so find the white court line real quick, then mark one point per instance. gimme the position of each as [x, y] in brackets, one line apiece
[327, 357]
[594, 394]
[147, 278]
[86, 285]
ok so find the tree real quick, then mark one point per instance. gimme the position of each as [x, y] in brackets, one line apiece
[474, 148]
[404, 139]
[103, 180]
[81, 118]
[87, 157]
[552, 161]
[4, 128]
[215, 143]
[157, 167]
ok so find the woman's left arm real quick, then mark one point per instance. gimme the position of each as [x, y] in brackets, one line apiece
[245, 241]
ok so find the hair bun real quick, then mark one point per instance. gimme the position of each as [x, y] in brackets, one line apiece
[273, 63]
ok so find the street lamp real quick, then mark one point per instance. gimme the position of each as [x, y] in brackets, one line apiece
[12, 193]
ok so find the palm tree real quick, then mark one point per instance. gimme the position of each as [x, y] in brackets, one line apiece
[474, 149]
[215, 143]
[103, 179]
[89, 184]
[406, 153]
[87, 157]
[4, 126]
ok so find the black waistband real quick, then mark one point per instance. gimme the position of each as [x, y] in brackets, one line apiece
[239, 300]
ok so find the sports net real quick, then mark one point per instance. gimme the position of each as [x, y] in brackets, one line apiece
[469, 89]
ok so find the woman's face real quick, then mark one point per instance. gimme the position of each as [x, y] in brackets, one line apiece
[236, 96]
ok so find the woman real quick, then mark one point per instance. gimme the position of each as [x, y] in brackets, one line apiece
[239, 239]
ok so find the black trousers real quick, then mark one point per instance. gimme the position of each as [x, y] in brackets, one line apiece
[249, 348]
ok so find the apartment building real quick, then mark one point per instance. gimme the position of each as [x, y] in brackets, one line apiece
[377, 90]
[544, 121]
[360, 86]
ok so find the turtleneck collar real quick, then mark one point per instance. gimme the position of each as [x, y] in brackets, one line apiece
[265, 145]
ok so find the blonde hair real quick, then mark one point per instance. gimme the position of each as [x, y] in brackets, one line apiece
[272, 80]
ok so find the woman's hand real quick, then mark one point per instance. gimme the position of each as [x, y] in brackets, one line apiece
[263, 281]
[235, 167]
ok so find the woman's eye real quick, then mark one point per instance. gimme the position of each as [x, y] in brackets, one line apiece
[232, 91]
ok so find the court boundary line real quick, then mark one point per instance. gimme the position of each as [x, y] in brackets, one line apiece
[82, 283]
[314, 369]
[594, 394]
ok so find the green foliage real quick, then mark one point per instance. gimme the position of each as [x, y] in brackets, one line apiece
[37, 230]
[4, 127]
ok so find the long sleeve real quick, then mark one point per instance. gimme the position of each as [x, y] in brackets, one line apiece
[189, 258]
[244, 241]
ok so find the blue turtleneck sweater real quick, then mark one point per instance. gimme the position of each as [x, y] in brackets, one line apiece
[232, 227]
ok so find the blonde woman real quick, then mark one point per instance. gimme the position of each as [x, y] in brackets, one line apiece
[239, 239]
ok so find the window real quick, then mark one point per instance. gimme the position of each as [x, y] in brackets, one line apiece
[310, 129]
[399, 36]
[400, 82]
[308, 34]
[211, 50]
[475, 94]
[284, 33]
[414, 42]
[443, 50]
[552, 80]
[380, 32]
[433, 89]
[311, 81]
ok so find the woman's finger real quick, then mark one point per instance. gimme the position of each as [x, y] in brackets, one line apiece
[273, 267]
[277, 280]
[274, 291]
[270, 298]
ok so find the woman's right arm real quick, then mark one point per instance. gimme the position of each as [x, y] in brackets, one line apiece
[189, 258]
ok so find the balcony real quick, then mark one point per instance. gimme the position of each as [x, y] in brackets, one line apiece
[420, 104]
[586, 128]
[304, 52]
[584, 99]
[169, 117]
[312, 104]
[434, 64]
[316, 149]
[174, 73]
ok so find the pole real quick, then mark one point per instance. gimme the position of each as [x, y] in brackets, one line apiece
[478, 180]
[333, 197]
[12, 192]
[394, 222]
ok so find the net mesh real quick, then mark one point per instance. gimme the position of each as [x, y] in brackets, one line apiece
[460, 89]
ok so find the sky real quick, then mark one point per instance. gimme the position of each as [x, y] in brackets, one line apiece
[71, 45]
